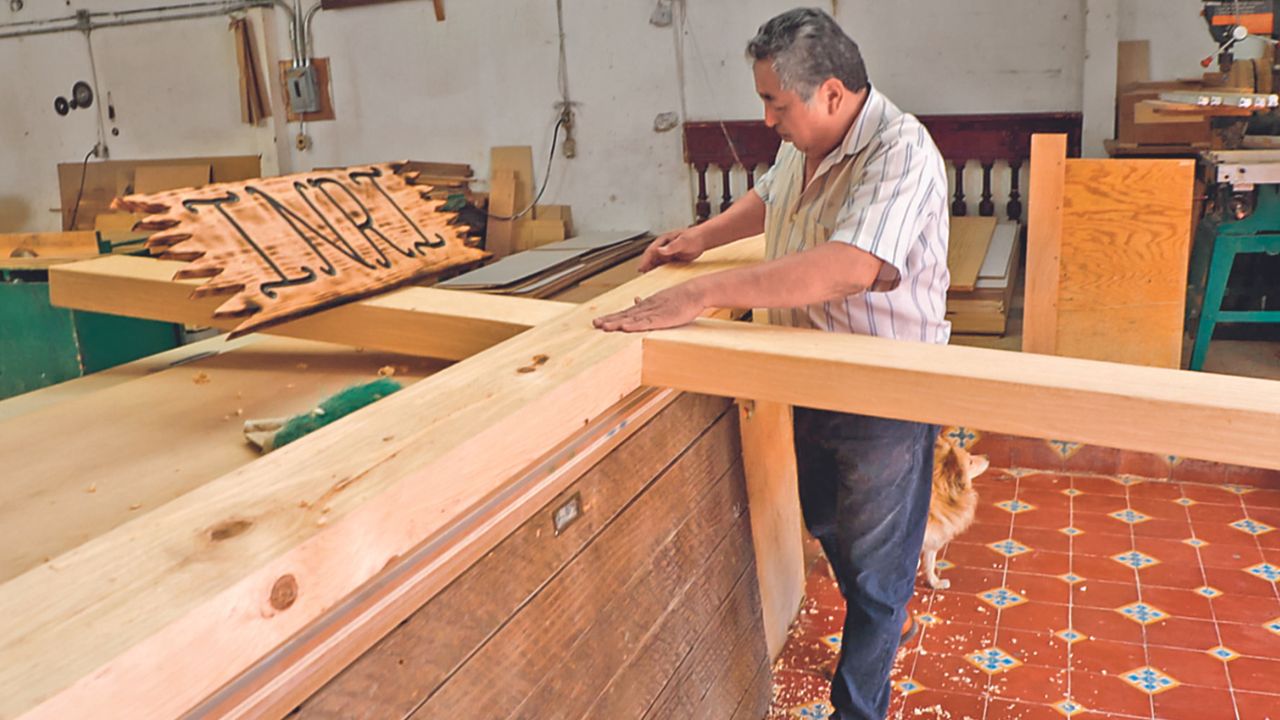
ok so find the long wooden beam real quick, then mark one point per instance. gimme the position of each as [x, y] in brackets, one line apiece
[415, 321]
[1199, 415]
[164, 610]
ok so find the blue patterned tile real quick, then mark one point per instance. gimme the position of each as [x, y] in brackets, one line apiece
[1224, 654]
[1015, 506]
[944, 565]
[1273, 625]
[994, 660]
[1130, 516]
[1185, 501]
[832, 641]
[907, 686]
[1266, 571]
[1069, 708]
[1009, 548]
[1071, 531]
[1128, 480]
[1196, 542]
[1064, 448]
[1237, 489]
[963, 437]
[1209, 592]
[926, 619]
[1135, 559]
[813, 711]
[1001, 598]
[1070, 578]
[1072, 492]
[1071, 636]
[1251, 526]
[1149, 680]
[1142, 613]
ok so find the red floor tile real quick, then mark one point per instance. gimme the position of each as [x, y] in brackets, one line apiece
[1042, 538]
[981, 533]
[1094, 459]
[1101, 568]
[1167, 491]
[1178, 601]
[963, 608]
[996, 448]
[1187, 702]
[794, 688]
[1254, 706]
[1246, 609]
[1238, 581]
[1104, 595]
[1106, 657]
[987, 512]
[1254, 641]
[994, 491]
[1254, 675]
[1222, 533]
[1177, 632]
[1257, 477]
[1189, 667]
[1001, 709]
[1162, 508]
[968, 580]
[1172, 575]
[1106, 625]
[1099, 486]
[1033, 647]
[1101, 544]
[1037, 454]
[935, 704]
[1270, 541]
[1043, 495]
[971, 556]
[1268, 515]
[1030, 683]
[948, 673]
[1092, 504]
[1264, 498]
[1214, 493]
[1209, 513]
[1145, 465]
[1109, 694]
[959, 639]
[1162, 528]
[1230, 555]
[1041, 562]
[807, 652]
[1199, 471]
[1039, 588]
[1040, 617]
[1047, 516]
[1046, 481]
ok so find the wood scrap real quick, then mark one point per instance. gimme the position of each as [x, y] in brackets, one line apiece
[499, 238]
[281, 248]
[970, 237]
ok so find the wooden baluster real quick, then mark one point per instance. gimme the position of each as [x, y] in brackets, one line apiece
[703, 208]
[726, 195]
[986, 208]
[751, 178]
[958, 207]
[1014, 208]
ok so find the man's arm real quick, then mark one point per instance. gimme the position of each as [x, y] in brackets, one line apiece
[827, 272]
[743, 219]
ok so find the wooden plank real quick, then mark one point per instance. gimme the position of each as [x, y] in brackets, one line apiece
[390, 486]
[194, 412]
[768, 454]
[499, 239]
[518, 159]
[563, 213]
[149, 179]
[415, 321]
[397, 673]
[271, 254]
[1126, 229]
[1044, 243]
[1133, 64]
[82, 243]
[1110, 404]
[970, 238]
[530, 234]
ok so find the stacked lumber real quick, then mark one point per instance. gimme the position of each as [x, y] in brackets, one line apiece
[515, 223]
[983, 259]
[548, 269]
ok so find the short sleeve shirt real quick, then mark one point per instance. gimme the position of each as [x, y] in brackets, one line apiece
[883, 190]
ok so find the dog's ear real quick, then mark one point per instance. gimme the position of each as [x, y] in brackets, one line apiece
[978, 464]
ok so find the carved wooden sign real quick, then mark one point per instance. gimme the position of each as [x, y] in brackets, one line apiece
[287, 246]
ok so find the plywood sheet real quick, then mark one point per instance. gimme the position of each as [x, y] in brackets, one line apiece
[158, 178]
[285, 247]
[970, 237]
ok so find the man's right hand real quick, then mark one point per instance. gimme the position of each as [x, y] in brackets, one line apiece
[684, 245]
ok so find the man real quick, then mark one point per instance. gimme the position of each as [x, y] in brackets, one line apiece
[854, 213]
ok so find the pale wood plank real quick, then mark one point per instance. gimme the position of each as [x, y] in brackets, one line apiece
[1211, 417]
[199, 572]
[415, 321]
[969, 239]
[1044, 243]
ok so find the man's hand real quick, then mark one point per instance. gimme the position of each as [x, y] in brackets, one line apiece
[673, 307]
[678, 245]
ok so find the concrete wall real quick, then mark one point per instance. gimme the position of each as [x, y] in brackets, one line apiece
[406, 86]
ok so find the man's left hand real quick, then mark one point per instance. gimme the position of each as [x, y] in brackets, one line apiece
[670, 308]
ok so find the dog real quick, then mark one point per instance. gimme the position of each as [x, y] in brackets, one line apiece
[952, 504]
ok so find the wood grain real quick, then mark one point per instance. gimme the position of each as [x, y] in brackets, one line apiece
[1044, 243]
[1123, 261]
[970, 238]
[287, 246]
[80, 243]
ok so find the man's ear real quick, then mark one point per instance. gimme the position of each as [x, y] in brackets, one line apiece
[831, 92]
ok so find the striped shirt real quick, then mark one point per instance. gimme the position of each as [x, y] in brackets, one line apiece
[883, 190]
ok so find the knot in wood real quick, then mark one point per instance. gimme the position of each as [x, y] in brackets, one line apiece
[284, 592]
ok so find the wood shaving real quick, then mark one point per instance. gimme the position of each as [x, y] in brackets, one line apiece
[135, 506]
[93, 488]
[386, 371]
[200, 378]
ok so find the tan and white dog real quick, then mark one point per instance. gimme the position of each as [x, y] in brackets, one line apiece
[953, 503]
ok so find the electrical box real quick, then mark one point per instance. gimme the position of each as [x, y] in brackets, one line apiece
[303, 89]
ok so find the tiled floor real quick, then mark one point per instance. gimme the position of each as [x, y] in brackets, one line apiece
[1080, 595]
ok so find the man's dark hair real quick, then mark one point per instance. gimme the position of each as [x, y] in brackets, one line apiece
[807, 47]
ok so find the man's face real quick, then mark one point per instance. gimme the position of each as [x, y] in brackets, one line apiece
[793, 119]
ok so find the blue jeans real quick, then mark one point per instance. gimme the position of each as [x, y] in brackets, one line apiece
[864, 490]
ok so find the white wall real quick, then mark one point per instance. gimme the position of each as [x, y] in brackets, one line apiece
[406, 86]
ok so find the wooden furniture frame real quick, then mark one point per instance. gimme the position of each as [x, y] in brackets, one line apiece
[243, 596]
[982, 139]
